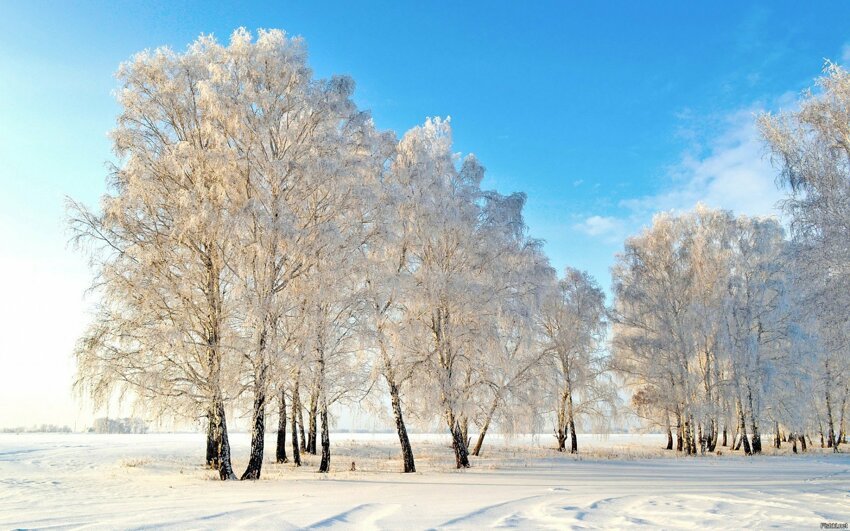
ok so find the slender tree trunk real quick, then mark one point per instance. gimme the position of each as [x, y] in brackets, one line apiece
[742, 427]
[258, 418]
[690, 445]
[830, 441]
[213, 356]
[803, 446]
[756, 441]
[325, 464]
[777, 442]
[669, 431]
[296, 453]
[212, 453]
[571, 421]
[793, 443]
[280, 454]
[712, 435]
[723, 441]
[258, 435]
[562, 423]
[842, 432]
[225, 470]
[680, 430]
[480, 442]
[458, 443]
[404, 441]
[314, 407]
[301, 425]
[464, 429]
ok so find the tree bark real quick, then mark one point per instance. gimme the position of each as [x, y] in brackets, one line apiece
[830, 441]
[571, 421]
[296, 453]
[258, 417]
[225, 469]
[458, 444]
[561, 432]
[301, 425]
[483, 433]
[742, 427]
[258, 435]
[680, 430]
[723, 441]
[756, 438]
[404, 441]
[325, 464]
[212, 453]
[314, 407]
[777, 442]
[280, 454]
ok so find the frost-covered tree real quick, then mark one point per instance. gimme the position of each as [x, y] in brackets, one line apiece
[573, 324]
[811, 146]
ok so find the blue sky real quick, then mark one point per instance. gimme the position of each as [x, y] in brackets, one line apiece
[603, 113]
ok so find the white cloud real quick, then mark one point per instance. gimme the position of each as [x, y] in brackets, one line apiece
[732, 173]
[609, 228]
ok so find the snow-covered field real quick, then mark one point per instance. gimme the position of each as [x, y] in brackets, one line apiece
[137, 481]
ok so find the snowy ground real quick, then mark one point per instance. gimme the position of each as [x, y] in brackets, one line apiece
[138, 481]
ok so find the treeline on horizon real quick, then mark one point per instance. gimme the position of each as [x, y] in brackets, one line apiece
[264, 247]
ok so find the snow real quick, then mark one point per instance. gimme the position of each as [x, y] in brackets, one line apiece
[155, 480]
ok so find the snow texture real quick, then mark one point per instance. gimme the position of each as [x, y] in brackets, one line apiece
[72, 481]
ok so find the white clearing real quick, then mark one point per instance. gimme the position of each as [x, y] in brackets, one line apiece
[156, 480]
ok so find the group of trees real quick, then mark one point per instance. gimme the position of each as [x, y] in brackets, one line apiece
[264, 247]
[721, 324]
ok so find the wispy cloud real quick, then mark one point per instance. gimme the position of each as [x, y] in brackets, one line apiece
[731, 172]
[609, 228]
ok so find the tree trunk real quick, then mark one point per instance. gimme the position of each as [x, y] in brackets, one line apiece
[679, 432]
[793, 443]
[458, 444]
[571, 421]
[723, 441]
[464, 429]
[777, 442]
[212, 454]
[225, 469]
[325, 464]
[301, 425]
[258, 418]
[669, 431]
[803, 446]
[480, 442]
[742, 427]
[213, 358]
[842, 432]
[404, 441]
[314, 406]
[830, 441]
[712, 435]
[280, 454]
[690, 442]
[258, 435]
[296, 453]
[756, 437]
[561, 432]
